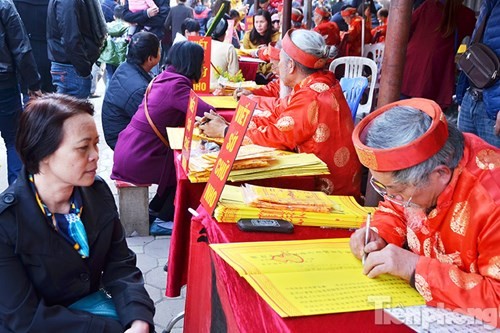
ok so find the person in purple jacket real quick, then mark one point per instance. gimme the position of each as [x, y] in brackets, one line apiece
[140, 156]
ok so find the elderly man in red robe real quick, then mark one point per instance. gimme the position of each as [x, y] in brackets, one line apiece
[438, 227]
[314, 118]
[351, 40]
[329, 30]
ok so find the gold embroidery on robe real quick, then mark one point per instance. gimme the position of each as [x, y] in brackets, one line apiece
[423, 287]
[460, 218]
[413, 242]
[322, 133]
[319, 87]
[285, 123]
[487, 159]
[326, 185]
[386, 210]
[427, 247]
[341, 157]
[493, 268]
[463, 280]
[442, 256]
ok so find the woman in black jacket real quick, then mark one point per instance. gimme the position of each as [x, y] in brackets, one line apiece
[61, 241]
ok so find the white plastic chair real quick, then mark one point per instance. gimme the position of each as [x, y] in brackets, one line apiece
[354, 68]
[376, 53]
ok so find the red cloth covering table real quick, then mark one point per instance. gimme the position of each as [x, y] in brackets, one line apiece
[188, 195]
[213, 285]
[249, 69]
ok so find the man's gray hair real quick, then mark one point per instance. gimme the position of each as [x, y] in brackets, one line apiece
[403, 124]
[313, 43]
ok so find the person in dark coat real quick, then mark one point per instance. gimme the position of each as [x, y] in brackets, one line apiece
[34, 16]
[176, 16]
[128, 84]
[16, 61]
[140, 156]
[76, 31]
[61, 241]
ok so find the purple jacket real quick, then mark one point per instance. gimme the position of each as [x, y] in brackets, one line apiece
[140, 156]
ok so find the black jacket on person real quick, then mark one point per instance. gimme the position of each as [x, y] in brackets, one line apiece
[41, 274]
[16, 56]
[175, 18]
[34, 16]
[70, 36]
[154, 24]
[123, 96]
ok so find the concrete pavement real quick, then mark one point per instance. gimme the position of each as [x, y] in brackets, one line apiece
[152, 252]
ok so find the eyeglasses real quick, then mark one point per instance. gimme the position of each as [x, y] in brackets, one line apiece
[382, 190]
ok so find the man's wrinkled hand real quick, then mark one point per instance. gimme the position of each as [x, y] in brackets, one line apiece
[357, 242]
[392, 260]
[212, 125]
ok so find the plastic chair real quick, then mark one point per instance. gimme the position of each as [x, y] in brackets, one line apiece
[354, 67]
[376, 53]
[353, 89]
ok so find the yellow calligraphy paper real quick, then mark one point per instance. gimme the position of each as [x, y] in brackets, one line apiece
[312, 277]
[221, 102]
[175, 137]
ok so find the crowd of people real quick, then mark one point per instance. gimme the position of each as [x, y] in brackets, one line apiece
[434, 228]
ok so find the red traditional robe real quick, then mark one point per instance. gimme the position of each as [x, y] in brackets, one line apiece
[330, 32]
[272, 89]
[459, 242]
[378, 34]
[353, 37]
[314, 118]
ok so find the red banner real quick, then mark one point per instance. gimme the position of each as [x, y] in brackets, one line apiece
[188, 130]
[227, 155]
[203, 86]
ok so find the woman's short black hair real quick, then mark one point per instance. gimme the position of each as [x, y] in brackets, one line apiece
[142, 45]
[257, 38]
[40, 130]
[190, 25]
[187, 59]
[234, 14]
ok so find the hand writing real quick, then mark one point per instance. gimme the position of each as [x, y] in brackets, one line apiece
[212, 125]
[357, 242]
[240, 92]
[393, 260]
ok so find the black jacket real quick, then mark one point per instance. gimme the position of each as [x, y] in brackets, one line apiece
[123, 96]
[41, 274]
[70, 37]
[34, 16]
[155, 23]
[16, 56]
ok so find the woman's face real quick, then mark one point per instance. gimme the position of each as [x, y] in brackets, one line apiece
[317, 19]
[260, 24]
[75, 160]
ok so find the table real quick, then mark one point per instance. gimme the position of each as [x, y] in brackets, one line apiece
[188, 195]
[219, 300]
[249, 69]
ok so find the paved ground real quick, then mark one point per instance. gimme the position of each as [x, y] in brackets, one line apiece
[152, 252]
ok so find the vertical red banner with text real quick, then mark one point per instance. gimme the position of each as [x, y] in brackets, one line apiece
[227, 155]
[188, 130]
[203, 86]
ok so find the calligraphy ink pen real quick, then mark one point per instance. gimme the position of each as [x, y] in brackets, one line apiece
[367, 234]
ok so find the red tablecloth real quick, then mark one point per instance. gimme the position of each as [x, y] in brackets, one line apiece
[188, 195]
[249, 69]
[212, 284]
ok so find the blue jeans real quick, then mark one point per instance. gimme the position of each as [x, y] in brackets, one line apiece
[67, 80]
[472, 118]
[10, 111]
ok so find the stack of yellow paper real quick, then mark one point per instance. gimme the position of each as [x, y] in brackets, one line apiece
[347, 212]
[257, 162]
[312, 277]
[280, 198]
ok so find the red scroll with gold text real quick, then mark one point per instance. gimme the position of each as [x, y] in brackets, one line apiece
[227, 154]
[188, 131]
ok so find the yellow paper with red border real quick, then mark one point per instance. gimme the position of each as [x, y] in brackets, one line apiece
[188, 131]
[227, 155]
[203, 86]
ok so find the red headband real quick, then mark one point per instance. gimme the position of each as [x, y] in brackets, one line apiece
[274, 53]
[306, 59]
[297, 17]
[322, 12]
[411, 154]
[348, 12]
